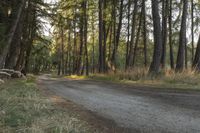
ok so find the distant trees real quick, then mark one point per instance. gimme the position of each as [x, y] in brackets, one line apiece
[100, 36]
[119, 31]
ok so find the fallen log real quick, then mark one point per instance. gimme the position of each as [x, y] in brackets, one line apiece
[16, 74]
[5, 75]
[10, 71]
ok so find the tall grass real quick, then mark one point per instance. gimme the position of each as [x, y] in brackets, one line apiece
[168, 78]
[24, 110]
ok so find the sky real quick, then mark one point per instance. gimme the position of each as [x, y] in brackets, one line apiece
[47, 26]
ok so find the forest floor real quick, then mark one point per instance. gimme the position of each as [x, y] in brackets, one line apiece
[25, 109]
[127, 107]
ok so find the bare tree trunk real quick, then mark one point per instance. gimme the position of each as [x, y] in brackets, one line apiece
[182, 39]
[12, 34]
[155, 65]
[101, 65]
[62, 52]
[196, 61]
[192, 27]
[131, 49]
[144, 32]
[85, 37]
[170, 36]
[128, 36]
[164, 31]
[137, 39]
[113, 59]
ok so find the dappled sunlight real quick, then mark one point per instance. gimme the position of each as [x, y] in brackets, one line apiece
[76, 77]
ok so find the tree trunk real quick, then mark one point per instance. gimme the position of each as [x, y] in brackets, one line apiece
[182, 39]
[192, 27]
[131, 49]
[155, 65]
[118, 34]
[137, 39]
[85, 37]
[12, 34]
[144, 32]
[101, 65]
[128, 35]
[164, 31]
[170, 36]
[196, 61]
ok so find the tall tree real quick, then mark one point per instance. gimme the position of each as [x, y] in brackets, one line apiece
[101, 65]
[170, 35]
[12, 33]
[192, 27]
[131, 49]
[196, 61]
[182, 39]
[155, 65]
[164, 31]
[118, 33]
[144, 31]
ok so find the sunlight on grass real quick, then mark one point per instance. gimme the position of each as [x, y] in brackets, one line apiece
[76, 77]
[188, 79]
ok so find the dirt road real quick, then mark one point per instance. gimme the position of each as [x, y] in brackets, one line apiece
[139, 108]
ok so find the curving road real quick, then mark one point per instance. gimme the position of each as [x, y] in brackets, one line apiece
[139, 108]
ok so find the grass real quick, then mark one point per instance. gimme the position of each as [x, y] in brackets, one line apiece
[23, 109]
[188, 79]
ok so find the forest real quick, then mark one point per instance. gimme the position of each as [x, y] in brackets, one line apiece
[89, 36]
[99, 66]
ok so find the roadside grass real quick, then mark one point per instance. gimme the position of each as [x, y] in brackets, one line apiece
[23, 109]
[167, 79]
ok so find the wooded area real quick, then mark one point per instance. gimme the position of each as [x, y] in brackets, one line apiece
[91, 36]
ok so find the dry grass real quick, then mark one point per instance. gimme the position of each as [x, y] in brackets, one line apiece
[24, 110]
[188, 79]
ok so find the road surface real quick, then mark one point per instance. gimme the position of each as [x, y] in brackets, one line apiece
[139, 108]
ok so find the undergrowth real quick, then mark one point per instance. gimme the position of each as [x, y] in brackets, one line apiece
[187, 79]
[23, 109]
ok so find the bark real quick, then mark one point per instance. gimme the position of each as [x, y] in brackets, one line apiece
[170, 36]
[12, 34]
[164, 31]
[85, 37]
[196, 61]
[128, 35]
[62, 52]
[182, 39]
[131, 49]
[118, 34]
[144, 31]
[137, 39]
[155, 65]
[101, 65]
[192, 27]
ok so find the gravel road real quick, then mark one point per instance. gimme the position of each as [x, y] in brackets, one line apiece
[143, 109]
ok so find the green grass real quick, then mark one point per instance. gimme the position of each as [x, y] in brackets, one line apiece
[23, 109]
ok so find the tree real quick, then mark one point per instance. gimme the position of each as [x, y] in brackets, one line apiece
[170, 35]
[182, 39]
[12, 33]
[196, 61]
[101, 59]
[155, 65]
